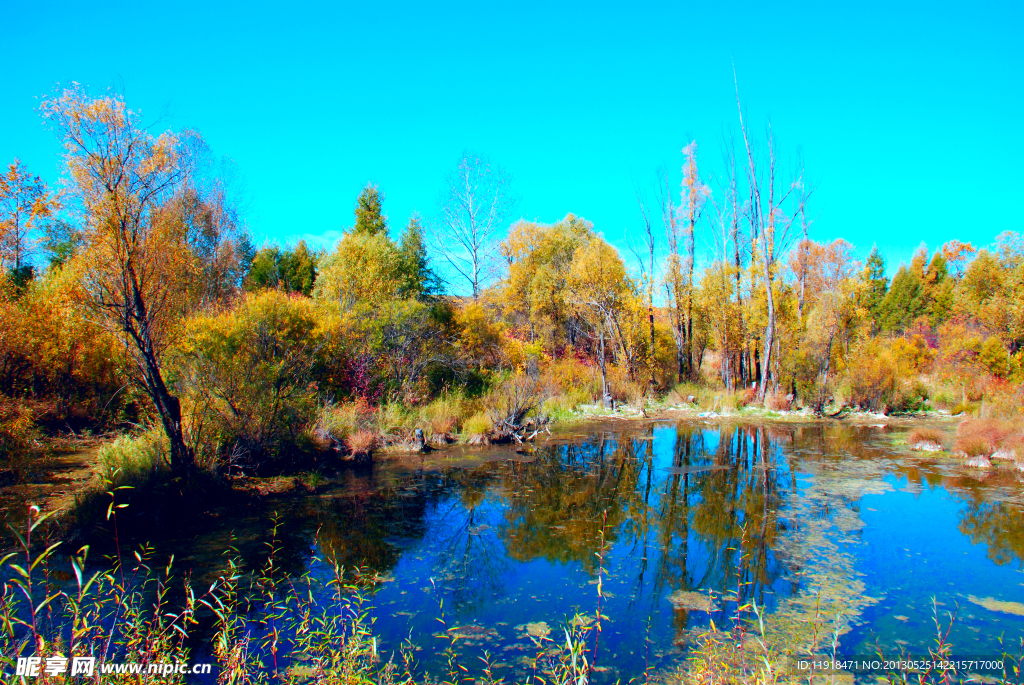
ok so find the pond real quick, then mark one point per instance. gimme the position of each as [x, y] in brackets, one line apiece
[823, 520]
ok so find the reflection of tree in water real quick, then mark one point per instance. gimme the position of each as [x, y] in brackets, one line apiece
[372, 528]
[470, 560]
[555, 505]
[1000, 525]
[717, 527]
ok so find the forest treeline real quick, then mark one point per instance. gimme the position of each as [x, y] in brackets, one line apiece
[134, 297]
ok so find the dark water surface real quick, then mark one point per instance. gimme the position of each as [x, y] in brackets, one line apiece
[828, 520]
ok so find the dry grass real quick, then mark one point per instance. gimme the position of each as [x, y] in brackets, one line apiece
[778, 401]
[984, 436]
[361, 443]
[925, 435]
[445, 414]
[632, 393]
[1013, 446]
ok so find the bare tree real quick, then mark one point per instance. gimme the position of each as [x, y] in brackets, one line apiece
[647, 276]
[695, 195]
[769, 222]
[673, 279]
[474, 207]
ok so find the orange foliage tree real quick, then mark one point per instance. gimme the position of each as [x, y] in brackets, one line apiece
[136, 265]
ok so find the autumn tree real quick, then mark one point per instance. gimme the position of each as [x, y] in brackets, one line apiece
[24, 204]
[61, 241]
[535, 293]
[830, 289]
[598, 286]
[367, 266]
[957, 255]
[363, 268]
[679, 269]
[136, 265]
[474, 207]
[217, 239]
[645, 259]
[769, 229]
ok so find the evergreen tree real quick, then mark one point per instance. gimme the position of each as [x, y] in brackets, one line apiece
[297, 269]
[370, 217]
[293, 271]
[903, 303]
[877, 286]
[419, 279]
[937, 290]
[263, 270]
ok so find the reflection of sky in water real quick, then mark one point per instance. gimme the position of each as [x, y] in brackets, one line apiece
[514, 544]
[796, 516]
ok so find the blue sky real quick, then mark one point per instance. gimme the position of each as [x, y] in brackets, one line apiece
[908, 116]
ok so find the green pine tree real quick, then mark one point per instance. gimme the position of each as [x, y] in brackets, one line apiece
[370, 217]
[903, 303]
[298, 269]
[293, 271]
[937, 290]
[877, 286]
[420, 280]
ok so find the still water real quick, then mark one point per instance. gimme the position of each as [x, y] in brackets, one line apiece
[826, 523]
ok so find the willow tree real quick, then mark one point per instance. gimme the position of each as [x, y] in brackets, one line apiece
[136, 262]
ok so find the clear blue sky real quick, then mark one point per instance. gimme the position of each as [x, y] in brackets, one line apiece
[909, 116]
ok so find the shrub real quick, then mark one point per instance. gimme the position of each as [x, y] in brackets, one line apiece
[569, 374]
[336, 423]
[962, 408]
[19, 439]
[873, 377]
[249, 373]
[777, 401]
[513, 400]
[994, 357]
[50, 350]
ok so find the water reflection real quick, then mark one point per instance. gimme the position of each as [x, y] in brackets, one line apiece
[808, 521]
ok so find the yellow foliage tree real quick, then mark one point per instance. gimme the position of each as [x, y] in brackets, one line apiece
[598, 287]
[364, 267]
[24, 201]
[136, 266]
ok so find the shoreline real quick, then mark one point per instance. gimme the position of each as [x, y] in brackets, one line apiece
[73, 467]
